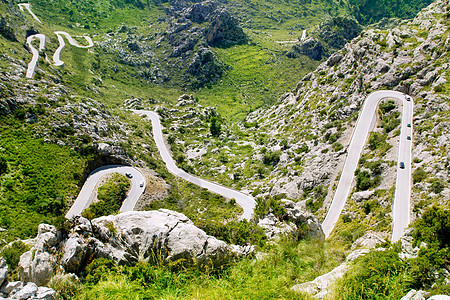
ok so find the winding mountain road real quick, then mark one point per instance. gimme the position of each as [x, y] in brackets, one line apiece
[57, 55]
[365, 124]
[245, 201]
[32, 65]
[87, 193]
[73, 42]
[28, 8]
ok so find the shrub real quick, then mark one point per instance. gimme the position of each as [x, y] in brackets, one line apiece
[437, 185]
[215, 126]
[3, 165]
[419, 175]
[234, 232]
[267, 205]
[377, 275]
[271, 158]
[110, 196]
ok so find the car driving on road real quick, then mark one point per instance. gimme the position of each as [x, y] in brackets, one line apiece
[402, 165]
[128, 175]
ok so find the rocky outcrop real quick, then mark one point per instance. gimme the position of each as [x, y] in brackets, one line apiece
[6, 31]
[162, 236]
[310, 47]
[295, 221]
[204, 68]
[416, 295]
[337, 31]
[200, 12]
[370, 240]
[22, 290]
[38, 264]
[224, 30]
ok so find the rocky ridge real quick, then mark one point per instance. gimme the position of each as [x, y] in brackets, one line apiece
[191, 29]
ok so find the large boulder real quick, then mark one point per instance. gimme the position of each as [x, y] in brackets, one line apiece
[416, 295]
[161, 235]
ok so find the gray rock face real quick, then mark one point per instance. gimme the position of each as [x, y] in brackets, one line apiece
[416, 295]
[147, 235]
[28, 291]
[310, 47]
[204, 67]
[296, 217]
[37, 265]
[3, 270]
[10, 287]
[224, 30]
[369, 241]
[199, 12]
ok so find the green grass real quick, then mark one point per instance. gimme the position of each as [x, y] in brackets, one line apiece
[271, 277]
[39, 182]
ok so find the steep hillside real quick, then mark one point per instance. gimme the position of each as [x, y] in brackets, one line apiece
[297, 147]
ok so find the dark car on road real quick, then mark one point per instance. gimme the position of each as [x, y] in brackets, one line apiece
[402, 165]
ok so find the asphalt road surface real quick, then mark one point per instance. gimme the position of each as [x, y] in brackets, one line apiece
[245, 201]
[32, 65]
[402, 197]
[87, 193]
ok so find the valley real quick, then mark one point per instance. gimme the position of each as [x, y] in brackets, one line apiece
[158, 147]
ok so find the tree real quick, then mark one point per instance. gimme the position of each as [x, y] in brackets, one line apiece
[215, 127]
[3, 165]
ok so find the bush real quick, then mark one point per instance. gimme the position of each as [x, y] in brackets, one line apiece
[267, 205]
[387, 106]
[12, 253]
[234, 232]
[215, 126]
[419, 175]
[437, 185]
[363, 181]
[110, 196]
[271, 158]
[3, 165]
[377, 275]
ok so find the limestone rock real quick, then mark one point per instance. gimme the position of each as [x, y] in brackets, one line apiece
[224, 30]
[28, 291]
[75, 251]
[310, 47]
[408, 251]
[37, 264]
[363, 195]
[416, 295]
[44, 293]
[199, 12]
[369, 241]
[10, 287]
[274, 228]
[3, 270]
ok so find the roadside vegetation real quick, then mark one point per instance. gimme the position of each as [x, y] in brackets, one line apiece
[110, 197]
